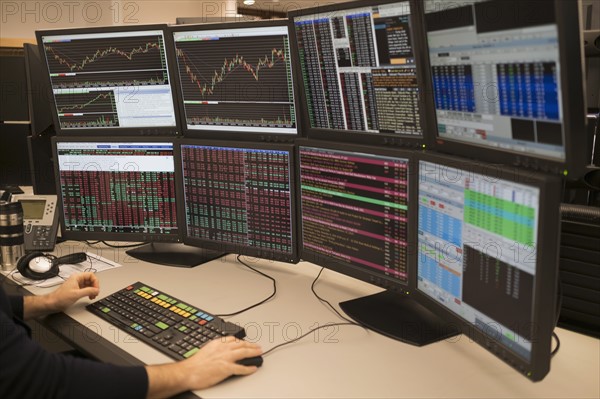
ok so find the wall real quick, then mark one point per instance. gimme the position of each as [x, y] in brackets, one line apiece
[20, 19]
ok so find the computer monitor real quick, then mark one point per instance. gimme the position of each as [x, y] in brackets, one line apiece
[239, 197]
[361, 68]
[120, 190]
[488, 241]
[357, 215]
[15, 168]
[110, 80]
[590, 15]
[13, 86]
[38, 92]
[210, 19]
[39, 98]
[236, 80]
[507, 82]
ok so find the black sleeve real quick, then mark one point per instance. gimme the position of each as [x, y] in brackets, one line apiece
[29, 371]
[16, 305]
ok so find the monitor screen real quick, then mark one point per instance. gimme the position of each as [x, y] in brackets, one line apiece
[236, 78]
[33, 209]
[503, 81]
[359, 64]
[117, 190]
[355, 207]
[240, 198]
[110, 80]
[487, 253]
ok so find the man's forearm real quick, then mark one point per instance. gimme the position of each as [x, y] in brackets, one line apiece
[37, 306]
[166, 380]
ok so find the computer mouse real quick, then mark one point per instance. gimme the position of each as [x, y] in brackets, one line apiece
[40, 264]
[251, 361]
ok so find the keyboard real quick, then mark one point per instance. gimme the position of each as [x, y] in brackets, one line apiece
[174, 327]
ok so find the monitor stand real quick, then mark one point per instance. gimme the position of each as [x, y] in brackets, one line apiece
[399, 317]
[173, 254]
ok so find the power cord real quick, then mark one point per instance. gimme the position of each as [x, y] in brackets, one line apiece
[307, 334]
[239, 259]
[555, 336]
[347, 323]
[558, 307]
[90, 243]
[312, 287]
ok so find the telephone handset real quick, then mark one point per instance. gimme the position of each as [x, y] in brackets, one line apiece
[40, 221]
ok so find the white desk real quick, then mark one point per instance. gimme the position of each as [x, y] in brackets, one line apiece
[347, 362]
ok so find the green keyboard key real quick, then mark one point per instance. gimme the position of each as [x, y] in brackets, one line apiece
[162, 325]
[191, 352]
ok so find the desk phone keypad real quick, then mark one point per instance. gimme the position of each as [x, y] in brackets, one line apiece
[174, 327]
[41, 239]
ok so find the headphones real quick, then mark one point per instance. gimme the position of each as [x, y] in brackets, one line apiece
[40, 266]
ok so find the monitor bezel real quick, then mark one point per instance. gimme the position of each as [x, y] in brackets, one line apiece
[571, 75]
[363, 273]
[419, 49]
[544, 302]
[233, 134]
[222, 246]
[145, 131]
[115, 236]
[212, 19]
[14, 104]
[40, 114]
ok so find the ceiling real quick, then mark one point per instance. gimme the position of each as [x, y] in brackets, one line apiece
[279, 8]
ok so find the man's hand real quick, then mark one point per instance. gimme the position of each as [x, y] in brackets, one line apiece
[213, 363]
[74, 288]
[77, 286]
[217, 360]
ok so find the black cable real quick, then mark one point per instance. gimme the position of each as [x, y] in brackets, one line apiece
[557, 316]
[15, 283]
[312, 287]
[558, 301]
[555, 350]
[347, 323]
[308, 333]
[256, 304]
[114, 246]
[124, 246]
[9, 280]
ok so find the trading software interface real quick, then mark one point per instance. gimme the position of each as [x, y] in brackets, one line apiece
[237, 79]
[477, 250]
[110, 80]
[496, 76]
[118, 187]
[359, 69]
[239, 196]
[355, 209]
